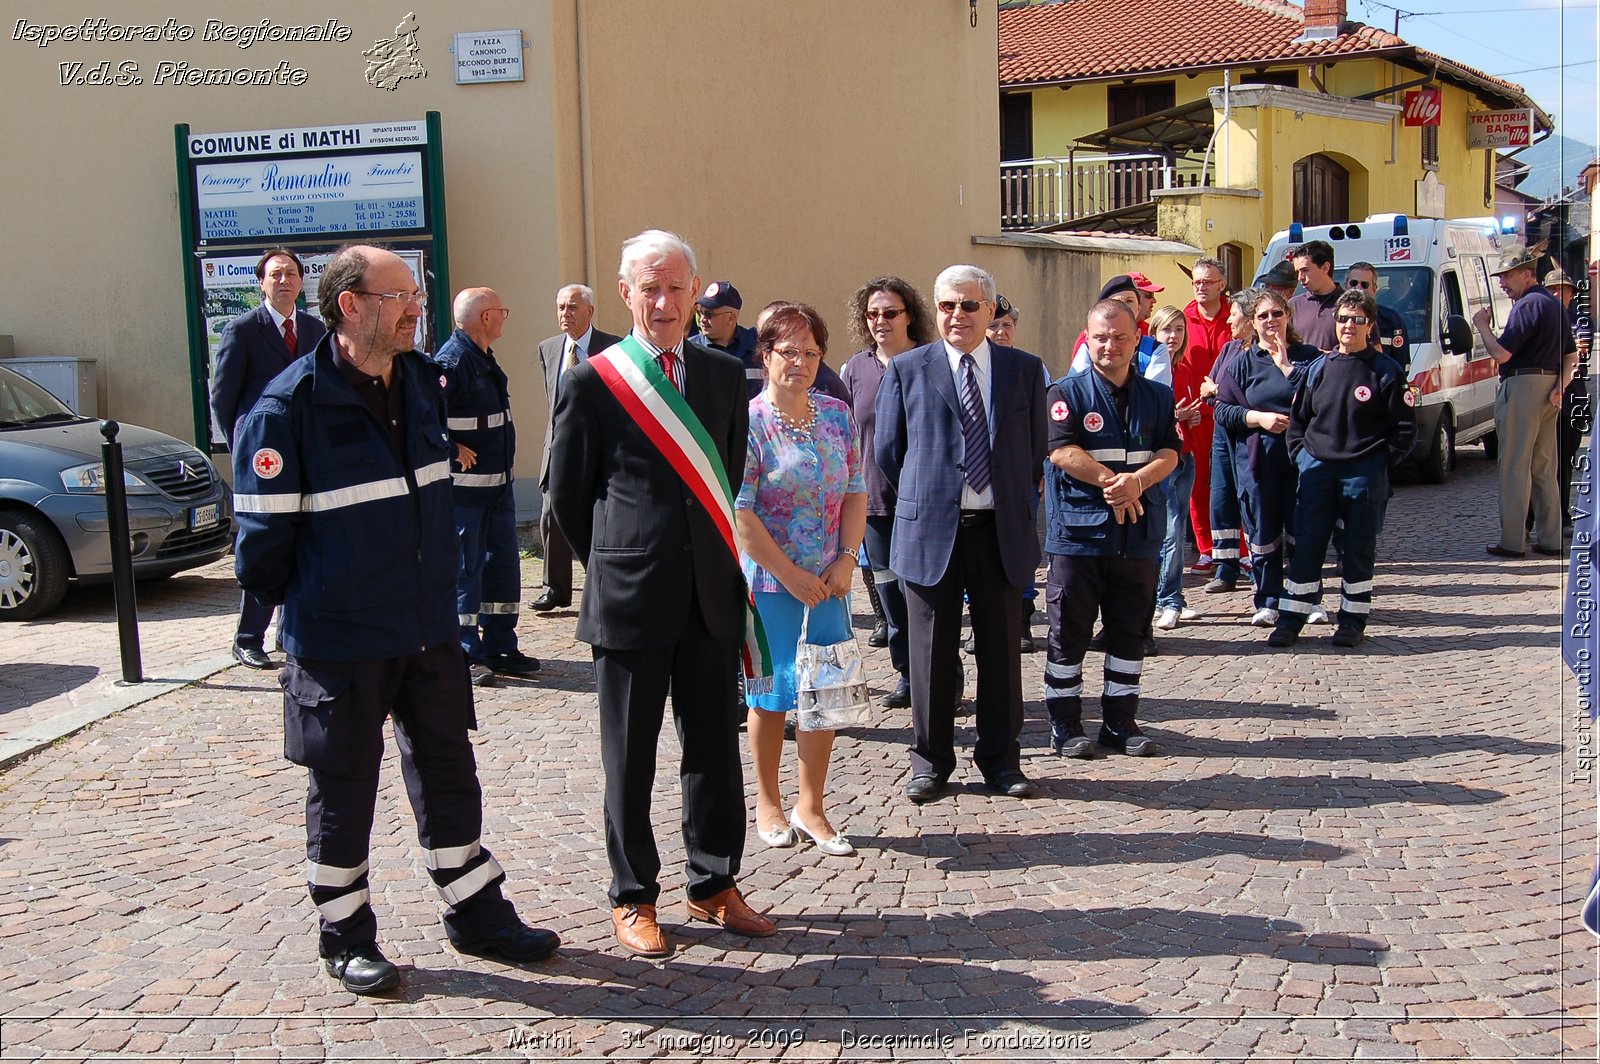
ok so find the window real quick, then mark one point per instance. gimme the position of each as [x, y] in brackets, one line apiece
[1430, 147]
[1124, 103]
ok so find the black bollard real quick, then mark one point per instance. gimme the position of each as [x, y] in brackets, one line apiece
[121, 554]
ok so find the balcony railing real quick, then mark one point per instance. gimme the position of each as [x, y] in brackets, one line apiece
[1064, 189]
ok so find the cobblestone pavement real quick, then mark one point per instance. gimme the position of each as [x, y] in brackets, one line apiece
[1374, 855]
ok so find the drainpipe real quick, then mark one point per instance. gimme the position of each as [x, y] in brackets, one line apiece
[1227, 113]
[585, 156]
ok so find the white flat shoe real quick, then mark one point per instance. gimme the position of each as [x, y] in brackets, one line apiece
[780, 838]
[1318, 616]
[838, 846]
[1189, 613]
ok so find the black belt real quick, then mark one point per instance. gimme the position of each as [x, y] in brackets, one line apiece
[1527, 372]
[972, 518]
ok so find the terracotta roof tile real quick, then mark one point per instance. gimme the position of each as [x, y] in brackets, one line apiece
[1107, 38]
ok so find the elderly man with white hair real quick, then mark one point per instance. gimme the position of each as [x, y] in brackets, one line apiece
[489, 584]
[577, 340]
[650, 436]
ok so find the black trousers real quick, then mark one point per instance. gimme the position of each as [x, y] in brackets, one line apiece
[254, 616]
[1123, 591]
[333, 714]
[933, 623]
[557, 555]
[700, 673]
[891, 592]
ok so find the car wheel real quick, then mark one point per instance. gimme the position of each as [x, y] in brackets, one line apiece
[1434, 468]
[33, 567]
[1491, 446]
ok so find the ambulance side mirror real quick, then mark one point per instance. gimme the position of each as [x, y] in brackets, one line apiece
[1457, 338]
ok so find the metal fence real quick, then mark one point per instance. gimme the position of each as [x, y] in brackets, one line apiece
[1057, 190]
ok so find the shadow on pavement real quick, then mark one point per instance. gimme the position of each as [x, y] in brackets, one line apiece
[1231, 791]
[31, 682]
[966, 851]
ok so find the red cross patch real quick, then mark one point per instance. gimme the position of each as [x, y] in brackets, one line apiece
[267, 463]
[442, 382]
[1093, 422]
[1410, 397]
[1059, 411]
[1363, 393]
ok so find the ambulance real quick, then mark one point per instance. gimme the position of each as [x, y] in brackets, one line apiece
[1435, 274]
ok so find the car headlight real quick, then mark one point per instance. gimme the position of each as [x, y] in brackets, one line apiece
[90, 479]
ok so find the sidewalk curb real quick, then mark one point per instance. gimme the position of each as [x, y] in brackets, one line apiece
[28, 742]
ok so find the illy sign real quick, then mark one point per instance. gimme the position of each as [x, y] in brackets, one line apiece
[1423, 107]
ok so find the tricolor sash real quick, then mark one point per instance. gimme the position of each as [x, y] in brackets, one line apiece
[634, 377]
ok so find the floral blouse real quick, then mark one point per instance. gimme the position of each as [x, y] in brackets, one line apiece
[796, 485]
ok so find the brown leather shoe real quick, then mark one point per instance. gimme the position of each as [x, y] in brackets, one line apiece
[637, 931]
[728, 911]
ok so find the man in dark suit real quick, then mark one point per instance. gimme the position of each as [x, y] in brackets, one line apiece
[256, 347]
[577, 340]
[664, 602]
[961, 437]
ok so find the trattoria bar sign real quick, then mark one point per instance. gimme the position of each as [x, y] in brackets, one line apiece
[1500, 129]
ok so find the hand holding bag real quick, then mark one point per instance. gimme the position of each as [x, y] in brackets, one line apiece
[830, 682]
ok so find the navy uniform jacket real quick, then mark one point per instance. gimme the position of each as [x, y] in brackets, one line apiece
[744, 349]
[1389, 336]
[356, 540]
[478, 406]
[251, 353]
[1083, 412]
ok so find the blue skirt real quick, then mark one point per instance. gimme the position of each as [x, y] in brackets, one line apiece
[780, 616]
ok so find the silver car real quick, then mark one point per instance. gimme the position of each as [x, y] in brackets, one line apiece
[53, 504]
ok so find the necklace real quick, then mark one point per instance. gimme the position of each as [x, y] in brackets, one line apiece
[800, 427]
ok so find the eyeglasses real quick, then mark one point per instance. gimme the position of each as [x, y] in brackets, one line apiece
[795, 354]
[419, 298]
[504, 312]
[968, 306]
[1363, 285]
[1269, 315]
[1201, 282]
[892, 313]
[708, 313]
[1349, 319]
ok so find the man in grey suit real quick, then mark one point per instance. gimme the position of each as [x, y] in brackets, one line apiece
[256, 347]
[961, 438]
[577, 340]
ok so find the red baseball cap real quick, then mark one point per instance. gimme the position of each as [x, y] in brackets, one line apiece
[1145, 284]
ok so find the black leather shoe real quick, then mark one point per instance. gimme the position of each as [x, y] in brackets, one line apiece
[879, 636]
[1026, 644]
[1503, 552]
[1348, 635]
[251, 657]
[1219, 586]
[363, 969]
[1012, 784]
[1283, 635]
[516, 942]
[924, 788]
[1548, 552]
[551, 601]
[515, 663]
[900, 697]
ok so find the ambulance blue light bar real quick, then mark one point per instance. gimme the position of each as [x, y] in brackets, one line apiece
[1297, 232]
[1402, 226]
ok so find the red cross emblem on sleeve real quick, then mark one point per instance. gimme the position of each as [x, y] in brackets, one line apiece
[267, 463]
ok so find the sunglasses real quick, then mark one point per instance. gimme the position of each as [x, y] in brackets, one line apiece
[1269, 315]
[968, 306]
[893, 313]
[1349, 319]
[1363, 285]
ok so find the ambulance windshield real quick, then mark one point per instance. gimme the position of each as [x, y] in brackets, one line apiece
[1408, 290]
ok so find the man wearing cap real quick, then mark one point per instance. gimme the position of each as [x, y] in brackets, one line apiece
[717, 314]
[1152, 360]
[1575, 417]
[1389, 334]
[1537, 356]
[1281, 279]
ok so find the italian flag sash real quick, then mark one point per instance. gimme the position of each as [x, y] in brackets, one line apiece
[634, 377]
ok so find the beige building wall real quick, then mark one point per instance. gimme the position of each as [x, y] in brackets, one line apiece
[800, 148]
[93, 208]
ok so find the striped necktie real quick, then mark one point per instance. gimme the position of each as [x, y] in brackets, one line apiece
[974, 426]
